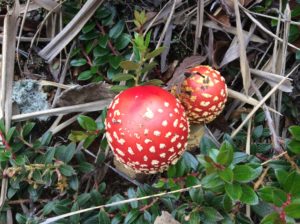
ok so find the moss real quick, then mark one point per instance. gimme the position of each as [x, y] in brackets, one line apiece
[28, 95]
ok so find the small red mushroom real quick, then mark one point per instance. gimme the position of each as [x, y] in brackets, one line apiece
[146, 128]
[203, 94]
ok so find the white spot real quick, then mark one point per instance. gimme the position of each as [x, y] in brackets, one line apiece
[146, 131]
[130, 151]
[205, 113]
[162, 155]
[147, 140]
[117, 113]
[160, 110]
[216, 98]
[145, 158]
[220, 104]
[182, 137]
[171, 115]
[121, 141]
[176, 111]
[174, 138]
[204, 103]
[149, 114]
[144, 165]
[164, 123]
[175, 123]
[115, 135]
[161, 145]
[181, 125]
[168, 134]
[108, 136]
[154, 162]
[120, 152]
[166, 104]
[108, 125]
[156, 133]
[139, 147]
[137, 135]
[222, 78]
[222, 92]
[171, 149]
[115, 103]
[213, 108]
[152, 149]
[206, 95]
[179, 145]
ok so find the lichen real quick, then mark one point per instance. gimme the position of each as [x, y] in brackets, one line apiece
[29, 96]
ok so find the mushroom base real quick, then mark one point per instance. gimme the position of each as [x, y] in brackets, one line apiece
[196, 133]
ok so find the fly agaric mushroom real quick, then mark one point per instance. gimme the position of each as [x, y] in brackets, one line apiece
[203, 94]
[146, 128]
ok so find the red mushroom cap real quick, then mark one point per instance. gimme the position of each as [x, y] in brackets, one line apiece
[147, 129]
[203, 94]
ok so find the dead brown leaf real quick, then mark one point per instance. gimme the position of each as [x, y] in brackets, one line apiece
[165, 217]
[188, 62]
[84, 94]
[221, 18]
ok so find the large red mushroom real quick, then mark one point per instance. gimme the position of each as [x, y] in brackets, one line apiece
[146, 128]
[203, 94]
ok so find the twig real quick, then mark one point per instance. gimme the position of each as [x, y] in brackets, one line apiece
[261, 178]
[109, 43]
[50, 220]
[274, 158]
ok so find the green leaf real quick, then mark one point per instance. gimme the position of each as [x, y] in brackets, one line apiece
[293, 210]
[225, 155]
[118, 88]
[86, 75]
[122, 77]
[87, 123]
[5, 156]
[103, 217]
[77, 136]
[89, 140]
[83, 199]
[292, 183]
[21, 218]
[114, 61]
[66, 170]
[154, 53]
[248, 196]
[147, 39]
[78, 62]
[194, 217]
[99, 52]
[88, 27]
[295, 131]
[272, 195]
[132, 216]
[27, 128]
[148, 67]
[116, 30]
[85, 167]
[234, 191]
[211, 215]
[244, 173]
[89, 36]
[271, 219]
[75, 219]
[103, 40]
[281, 176]
[226, 175]
[122, 41]
[211, 181]
[258, 131]
[153, 82]
[129, 65]
[132, 194]
[294, 146]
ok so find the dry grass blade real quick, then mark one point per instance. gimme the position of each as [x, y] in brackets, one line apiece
[232, 30]
[273, 79]
[48, 4]
[246, 99]
[242, 49]
[86, 107]
[70, 31]
[266, 30]
[266, 97]
[51, 220]
[32, 7]
[7, 75]
[199, 24]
